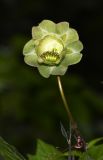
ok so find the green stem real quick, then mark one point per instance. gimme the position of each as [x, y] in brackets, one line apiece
[72, 121]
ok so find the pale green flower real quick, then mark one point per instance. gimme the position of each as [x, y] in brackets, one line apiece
[53, 48]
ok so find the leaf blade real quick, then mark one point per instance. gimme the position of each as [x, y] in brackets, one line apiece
[94, 141]
[8, 152]
[46, 152]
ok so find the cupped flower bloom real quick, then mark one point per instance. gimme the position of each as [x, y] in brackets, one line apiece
[53, 48]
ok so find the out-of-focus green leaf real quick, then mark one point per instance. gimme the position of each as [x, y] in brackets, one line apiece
[94, 153]
[8, 152]
[73, 153]
[49, 152]
[93, 142]
[46, 152]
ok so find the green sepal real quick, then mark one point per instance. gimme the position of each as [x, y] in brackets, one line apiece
[48, 26]
[64, 38]
[59, 70]
[44, 70]
[29, 47]
[71, 59]
[72, 36]
[62, 27]
[75, 47]
[37, 33]
[31, 59]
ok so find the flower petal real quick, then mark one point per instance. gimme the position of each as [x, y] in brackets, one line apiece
[48, 26]
[44, 70]
[75, 47]
[37, 33]
[62, 27]
[71, 59]
[64, 38]
[59, 70]
[72, 36]
[28, 47]
[31, 59]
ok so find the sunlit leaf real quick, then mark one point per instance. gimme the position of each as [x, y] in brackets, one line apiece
[46, 152]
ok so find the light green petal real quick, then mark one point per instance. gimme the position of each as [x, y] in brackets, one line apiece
[75, 47]
[71, 59]
[64, 38]
[62, 27]
[37, 33]
[44, 70]
[28, 47]
[72, 36]
[59, 70]
[48, 26]
[31, 59]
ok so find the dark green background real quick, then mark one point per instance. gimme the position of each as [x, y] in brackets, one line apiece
[30, 105]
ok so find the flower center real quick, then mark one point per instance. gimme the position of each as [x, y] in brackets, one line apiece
[50, 57]
[50, 50]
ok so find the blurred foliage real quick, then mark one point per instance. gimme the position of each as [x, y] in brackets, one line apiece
[46, 151]
[31, 107]
[8, 152]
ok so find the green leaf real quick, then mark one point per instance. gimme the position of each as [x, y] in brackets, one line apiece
[29, 47]
[73, 153]
[46, 152]
[71, 59]
[8, 152]
[93, 153]
[62, 27]
[94, 141]
[48, 26]
[75, 47]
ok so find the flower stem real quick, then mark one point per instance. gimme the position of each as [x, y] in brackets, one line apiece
[72, 121]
